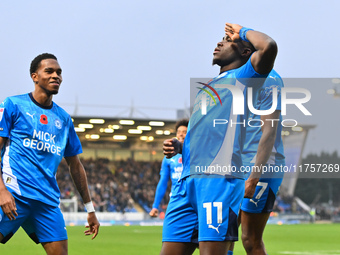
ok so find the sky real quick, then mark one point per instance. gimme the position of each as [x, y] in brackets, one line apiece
[122, 55]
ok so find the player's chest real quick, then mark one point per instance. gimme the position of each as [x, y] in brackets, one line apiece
[43, 124]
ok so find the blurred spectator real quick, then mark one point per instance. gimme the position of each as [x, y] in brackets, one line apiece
[115, 186]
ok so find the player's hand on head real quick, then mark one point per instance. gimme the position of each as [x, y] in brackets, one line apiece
[154, 212]
[233, 31]
[7, 204]
[93, 225]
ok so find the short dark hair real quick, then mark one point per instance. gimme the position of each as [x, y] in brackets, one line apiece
[36, 61]
[248, 45]
[182, 122]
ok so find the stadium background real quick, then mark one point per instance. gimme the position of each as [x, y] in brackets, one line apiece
[122, 157]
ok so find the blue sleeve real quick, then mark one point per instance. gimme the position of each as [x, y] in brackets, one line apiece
[267, 93]
[163, 183]
[246, 74]
[73, 146]
[7, 117]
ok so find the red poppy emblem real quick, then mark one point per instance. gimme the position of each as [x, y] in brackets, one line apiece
[43, 119]
[180, 160]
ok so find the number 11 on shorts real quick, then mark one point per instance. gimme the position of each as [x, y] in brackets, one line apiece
[208, 208]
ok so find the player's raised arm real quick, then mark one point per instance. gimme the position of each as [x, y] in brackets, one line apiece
[78, 175]
[7, 202]
[266, 48]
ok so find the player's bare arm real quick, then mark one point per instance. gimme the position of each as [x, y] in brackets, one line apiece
[269, 130]
[78, 175]
[266, 48]
[7, 202]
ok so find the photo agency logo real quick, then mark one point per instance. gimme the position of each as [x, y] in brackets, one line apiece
[204, 98]
[243, 96]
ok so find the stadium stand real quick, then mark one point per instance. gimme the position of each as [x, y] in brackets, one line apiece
[115, 186]
[125, 186]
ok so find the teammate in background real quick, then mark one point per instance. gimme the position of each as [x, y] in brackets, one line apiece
[171, 168]
[262, 144]
[35, 134]
[205, 209]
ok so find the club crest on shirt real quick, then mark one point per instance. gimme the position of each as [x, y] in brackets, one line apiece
[269, 90]
[58, 124]
[8, 180]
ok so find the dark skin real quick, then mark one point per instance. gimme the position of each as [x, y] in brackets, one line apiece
[231, 53]
[253, 224]
[47, 79]
[263, 152]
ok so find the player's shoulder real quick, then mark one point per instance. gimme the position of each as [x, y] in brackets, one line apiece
[14, 100]
[17, 98]
[174, 159]
[61, 112]
[273, 79]
[247, 71]
[166, 160]
[274, 74]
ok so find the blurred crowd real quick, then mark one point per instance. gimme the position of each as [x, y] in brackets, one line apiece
[115, 186]
[286, 204]
[129, 186]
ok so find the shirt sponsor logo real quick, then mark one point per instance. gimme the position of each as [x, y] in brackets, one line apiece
[177, 173]
[42, 141]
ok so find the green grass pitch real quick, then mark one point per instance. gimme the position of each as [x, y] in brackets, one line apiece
[316, 239]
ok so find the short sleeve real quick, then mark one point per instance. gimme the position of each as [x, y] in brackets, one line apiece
[267, 94]
[7, 117]
[73, 146]
[247, 75]
[165, 169]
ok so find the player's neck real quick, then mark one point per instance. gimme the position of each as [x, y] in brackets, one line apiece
[231, 66]
[42, 98]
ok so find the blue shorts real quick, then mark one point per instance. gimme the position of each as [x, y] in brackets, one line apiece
[42, 222]
[264, 197]
[203, 209]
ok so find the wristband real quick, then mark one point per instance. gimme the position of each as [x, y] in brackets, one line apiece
[243, 33]
[89, 207]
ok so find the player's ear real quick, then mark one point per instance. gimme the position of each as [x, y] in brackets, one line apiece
[34, 77]
[246, 52]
